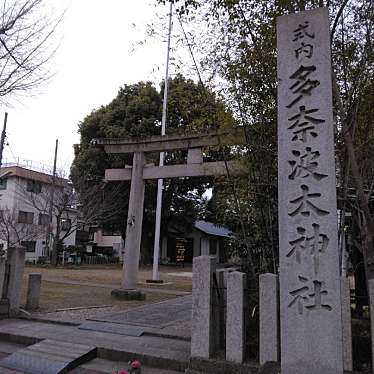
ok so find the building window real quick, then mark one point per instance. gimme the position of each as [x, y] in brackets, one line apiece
[43, 219]
[29, 245]
[34, 186]
[110, 232]
[25, 217]
[3, 183]
[65, 224]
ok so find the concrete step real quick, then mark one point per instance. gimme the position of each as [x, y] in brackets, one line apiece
[151, 351]
[9, 347]
[49, 357]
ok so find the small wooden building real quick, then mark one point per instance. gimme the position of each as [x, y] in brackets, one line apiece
[206, 238]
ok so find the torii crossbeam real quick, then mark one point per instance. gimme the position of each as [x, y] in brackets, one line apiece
[139, 172]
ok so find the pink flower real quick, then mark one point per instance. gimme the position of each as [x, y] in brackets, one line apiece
[135, 364]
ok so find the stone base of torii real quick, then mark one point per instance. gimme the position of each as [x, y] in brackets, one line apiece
[139, 172]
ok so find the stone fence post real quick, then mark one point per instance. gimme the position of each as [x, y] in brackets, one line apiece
[346, 325]
[16, 259]
[269, 318]
[33, 291]
[201, 326]
[235, 321]
[219, 307]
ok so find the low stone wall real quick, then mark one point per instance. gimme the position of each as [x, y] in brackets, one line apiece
[212, 320]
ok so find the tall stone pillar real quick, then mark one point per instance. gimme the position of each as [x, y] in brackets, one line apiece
[202, 339]
[16, 259]
[310, 300]
[235, 322]
[269, 321]
[134, 224]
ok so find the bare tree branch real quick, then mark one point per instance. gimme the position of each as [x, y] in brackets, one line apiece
[25, 37]
[14, 232]
[338, 14]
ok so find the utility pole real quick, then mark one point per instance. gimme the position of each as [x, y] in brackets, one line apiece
[53, 256]
[3, 136]
[156, 249]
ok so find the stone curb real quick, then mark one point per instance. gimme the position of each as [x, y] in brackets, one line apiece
[215, 366]
[79, 370]
[75, 324]
[19, 339]
[167, 336]
[51, 321]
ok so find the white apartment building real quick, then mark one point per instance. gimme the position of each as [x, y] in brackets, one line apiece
[24, 207]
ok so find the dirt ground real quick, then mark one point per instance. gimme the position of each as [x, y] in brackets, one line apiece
[74, 302]
[111, 275]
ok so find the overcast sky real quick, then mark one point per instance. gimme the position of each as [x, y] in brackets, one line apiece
[95, 58]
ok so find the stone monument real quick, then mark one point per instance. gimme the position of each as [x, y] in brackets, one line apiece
[310, 300]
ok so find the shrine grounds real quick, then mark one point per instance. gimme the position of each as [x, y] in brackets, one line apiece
[77, 294]
[74, 293]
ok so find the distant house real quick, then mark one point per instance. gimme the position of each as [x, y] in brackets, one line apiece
[24, 201]
[107, 241]
[206, 238]
[99, 241]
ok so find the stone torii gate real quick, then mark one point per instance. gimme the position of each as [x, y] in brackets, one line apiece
[139, 172]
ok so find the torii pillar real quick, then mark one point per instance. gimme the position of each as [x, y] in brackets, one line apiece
[133, 232]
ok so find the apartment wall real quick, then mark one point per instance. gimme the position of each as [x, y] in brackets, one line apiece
[15, 198]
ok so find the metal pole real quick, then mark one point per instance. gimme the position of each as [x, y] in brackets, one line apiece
[3, 136]
[156, 248]
[50, 213]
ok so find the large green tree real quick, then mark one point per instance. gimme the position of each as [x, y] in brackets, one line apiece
[236, 40]
[136, 112]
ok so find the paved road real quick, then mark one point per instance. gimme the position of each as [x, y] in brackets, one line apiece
[170, 318]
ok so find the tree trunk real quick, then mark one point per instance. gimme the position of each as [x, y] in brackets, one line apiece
[56, 240]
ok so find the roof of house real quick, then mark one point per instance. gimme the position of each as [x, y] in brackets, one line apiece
[212, 229]
[17, 171]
